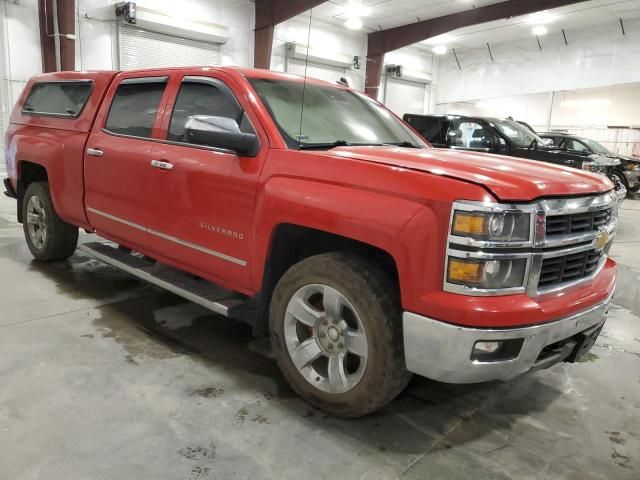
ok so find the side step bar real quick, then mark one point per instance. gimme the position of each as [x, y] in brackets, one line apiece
[197, 290]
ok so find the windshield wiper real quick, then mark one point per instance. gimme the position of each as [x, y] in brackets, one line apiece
[337, 143]
[405, 143]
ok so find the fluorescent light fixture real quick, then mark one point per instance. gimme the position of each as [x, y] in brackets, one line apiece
[443, 39]
[541, 18]
[353, 23]
[356, 9]
[539, 30]
[439, 50]
[587, 103]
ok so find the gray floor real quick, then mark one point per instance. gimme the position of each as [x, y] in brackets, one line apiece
[104, 377]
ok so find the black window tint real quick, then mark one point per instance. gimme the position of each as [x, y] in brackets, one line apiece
[57, 98]
[432, 129]
[203, 98]
[134, 107]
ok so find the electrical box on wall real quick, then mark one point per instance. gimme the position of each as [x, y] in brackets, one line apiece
[127, 11]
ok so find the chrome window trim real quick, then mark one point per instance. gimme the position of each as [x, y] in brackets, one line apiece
[539, 245]
[169, 238]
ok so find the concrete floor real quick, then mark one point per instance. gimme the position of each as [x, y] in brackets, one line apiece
[104, 377]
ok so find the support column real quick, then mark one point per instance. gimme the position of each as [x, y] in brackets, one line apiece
[67, 26]
[373, 75]
[47, 38]
[262, 47]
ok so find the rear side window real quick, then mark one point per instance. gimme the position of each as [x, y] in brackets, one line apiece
[135, 105]
[66, 99]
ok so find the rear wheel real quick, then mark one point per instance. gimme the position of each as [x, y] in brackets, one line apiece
[49, 238]
[336, 332]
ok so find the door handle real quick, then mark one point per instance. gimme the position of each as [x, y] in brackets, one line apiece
[94, 152]
[161, 165]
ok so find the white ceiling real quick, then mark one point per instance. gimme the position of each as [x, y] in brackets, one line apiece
[390, 13]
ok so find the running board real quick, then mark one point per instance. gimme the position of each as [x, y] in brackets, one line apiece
[197, 290]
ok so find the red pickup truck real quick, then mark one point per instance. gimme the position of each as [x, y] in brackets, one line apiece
[312, 212]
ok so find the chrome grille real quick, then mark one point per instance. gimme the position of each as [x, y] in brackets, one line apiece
[568, 268]
[573, 223]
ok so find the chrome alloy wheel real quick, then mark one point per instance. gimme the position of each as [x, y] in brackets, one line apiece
[325, 338]
[36, 222]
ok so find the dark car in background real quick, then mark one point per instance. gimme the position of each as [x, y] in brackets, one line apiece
[506, 137]
[627, 172]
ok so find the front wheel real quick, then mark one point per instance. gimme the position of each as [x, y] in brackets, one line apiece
[48, 237]
[335, 324]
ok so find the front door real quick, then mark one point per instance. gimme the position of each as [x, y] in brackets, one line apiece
[117, 160]
[204, 197]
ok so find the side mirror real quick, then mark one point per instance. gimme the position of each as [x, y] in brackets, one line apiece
[221, 132]
[498, 144]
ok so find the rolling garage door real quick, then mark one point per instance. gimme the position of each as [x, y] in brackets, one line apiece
[327, 73]
[146, 49]
[404, 96]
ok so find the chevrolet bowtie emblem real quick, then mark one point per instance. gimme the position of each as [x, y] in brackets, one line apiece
[602, 239]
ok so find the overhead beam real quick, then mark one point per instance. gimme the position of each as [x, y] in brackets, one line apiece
[270, 13]
[385, 41]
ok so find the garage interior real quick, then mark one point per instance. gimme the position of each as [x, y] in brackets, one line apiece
[103, 376]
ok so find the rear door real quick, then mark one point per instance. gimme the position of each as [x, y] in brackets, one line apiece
[203, 197]
[118, 156]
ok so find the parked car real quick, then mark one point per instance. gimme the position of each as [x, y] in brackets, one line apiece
[626, 172]
[365, 254]
[506, 137]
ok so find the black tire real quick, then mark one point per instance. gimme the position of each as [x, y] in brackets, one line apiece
[375, 299]
[61, 238]
[620, 178]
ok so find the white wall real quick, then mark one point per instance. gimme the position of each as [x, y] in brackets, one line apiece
[96, 46]
[331, 39]
[20, 47]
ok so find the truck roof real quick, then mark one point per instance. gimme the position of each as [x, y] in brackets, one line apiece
[233, 71]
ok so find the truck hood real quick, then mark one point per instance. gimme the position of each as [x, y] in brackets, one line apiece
[508, 178]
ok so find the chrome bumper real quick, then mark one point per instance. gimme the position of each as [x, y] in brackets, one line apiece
[442, 352]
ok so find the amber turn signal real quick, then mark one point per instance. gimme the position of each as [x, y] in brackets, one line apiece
[464, 271]
[469, 224]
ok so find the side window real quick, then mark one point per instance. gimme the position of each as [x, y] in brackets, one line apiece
[429, 127]
[204, 97]
[576, 146]
[469, 134]
[57, 98]
[135, 105]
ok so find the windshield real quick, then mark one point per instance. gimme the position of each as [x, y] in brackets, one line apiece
[518, 135]
[595, 146]
[330, 116]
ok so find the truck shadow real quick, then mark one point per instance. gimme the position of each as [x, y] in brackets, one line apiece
[151, 324]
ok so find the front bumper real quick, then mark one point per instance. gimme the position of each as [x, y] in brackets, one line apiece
[10, 192]
[442, 352]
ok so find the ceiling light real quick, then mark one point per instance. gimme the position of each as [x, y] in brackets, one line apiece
[353, 23]
[539, 30]
[439, 49]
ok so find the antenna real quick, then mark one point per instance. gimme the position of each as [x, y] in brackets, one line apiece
[304, 82]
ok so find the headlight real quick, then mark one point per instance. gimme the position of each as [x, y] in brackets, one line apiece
[486, 274]
[593, 167]
[491, 226]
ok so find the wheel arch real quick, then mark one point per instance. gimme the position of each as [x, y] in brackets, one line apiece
[291, 243]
